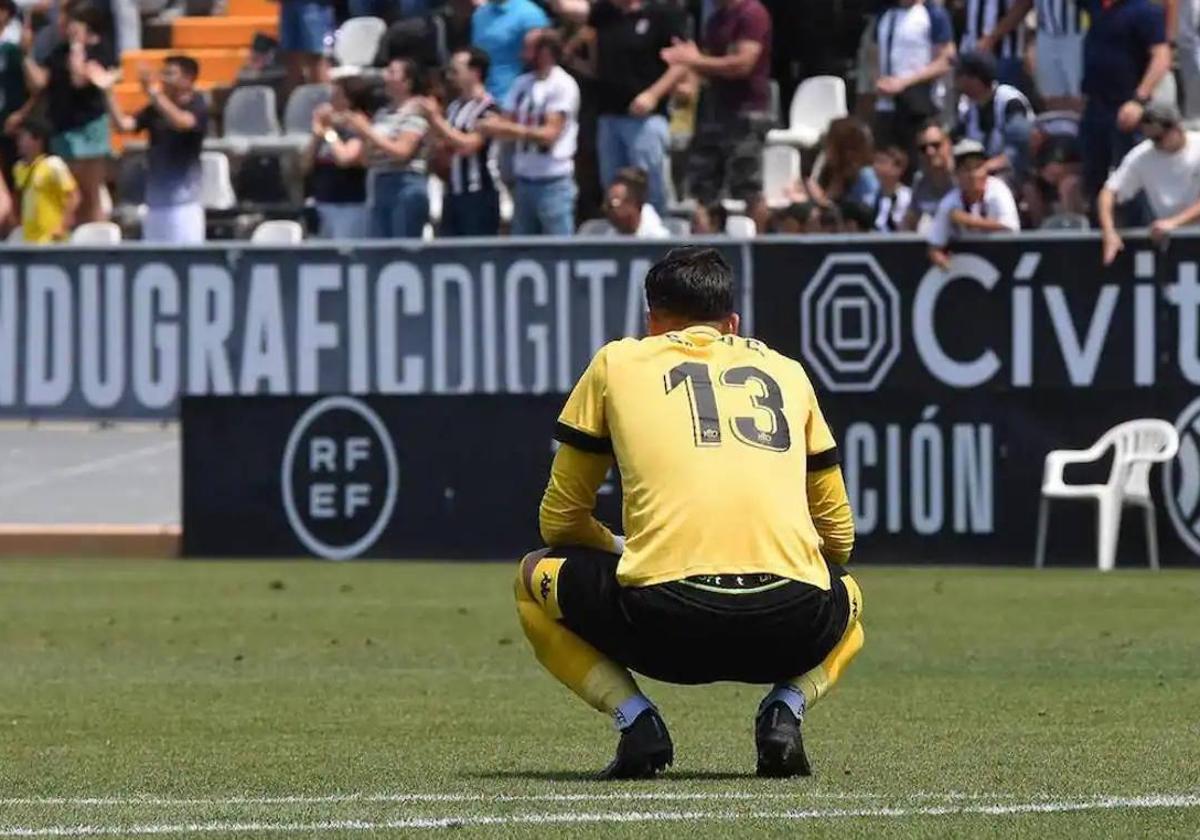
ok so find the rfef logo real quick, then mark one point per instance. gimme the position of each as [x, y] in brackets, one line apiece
[850, 323]
[340, 478]
[1181, 479]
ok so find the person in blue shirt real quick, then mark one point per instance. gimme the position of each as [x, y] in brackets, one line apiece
[498, 27]
[1125, 55]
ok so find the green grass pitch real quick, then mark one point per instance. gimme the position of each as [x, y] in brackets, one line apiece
[317, 700]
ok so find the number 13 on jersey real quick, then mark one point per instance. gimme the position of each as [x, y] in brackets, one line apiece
[765, 427]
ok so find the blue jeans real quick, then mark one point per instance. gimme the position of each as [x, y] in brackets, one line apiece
[399, 204]
[544, 207]
[342, 221]
[305, 26]
[471, 214]
[635, 141]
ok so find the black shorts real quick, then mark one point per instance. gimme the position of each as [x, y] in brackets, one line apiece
[752, 629]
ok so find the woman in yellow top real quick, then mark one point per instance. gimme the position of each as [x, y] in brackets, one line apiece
[49, 194]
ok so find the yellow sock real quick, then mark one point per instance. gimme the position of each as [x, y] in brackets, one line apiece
[600, 682]
[816, 683]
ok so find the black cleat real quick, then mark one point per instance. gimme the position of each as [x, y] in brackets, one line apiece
[644, 751]
[780, 746]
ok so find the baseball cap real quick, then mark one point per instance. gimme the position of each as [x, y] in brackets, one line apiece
[966, 148]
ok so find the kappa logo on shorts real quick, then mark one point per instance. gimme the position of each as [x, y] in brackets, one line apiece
[1181, 479]
[340, 478]
[850, 322]
[544, 587]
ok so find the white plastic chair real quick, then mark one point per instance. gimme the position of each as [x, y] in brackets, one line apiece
[818, 101]
[96, 233]
[301, 104]
[216, 185]
[741, 227]
[1136, 446]
[357, 42]
[596, 227]
[278, 232]
[251, 112]
[781, 169]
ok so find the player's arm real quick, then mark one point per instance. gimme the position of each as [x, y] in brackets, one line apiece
[830, 509]
[584, 458]
[828, 503]
[565, 516]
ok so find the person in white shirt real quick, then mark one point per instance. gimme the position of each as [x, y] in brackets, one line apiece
[626, 209]
[542, 119]
[915, 42]
[980, 203]
[1165, 167]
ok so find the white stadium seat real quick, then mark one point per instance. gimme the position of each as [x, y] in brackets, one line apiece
[742, 227]
[356, 43]
[96, 233]
[301, 104]
[781, 169]
[278, 232]
[251, 112]
[216, 185]
[1136, 445]
[596, 227]
[818, 101]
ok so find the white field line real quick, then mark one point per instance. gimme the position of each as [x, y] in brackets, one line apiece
[402, 798]
[1109, 803]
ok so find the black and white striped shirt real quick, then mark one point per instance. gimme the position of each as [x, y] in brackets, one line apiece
[470, 173]
[1059, 17]
[981, 18]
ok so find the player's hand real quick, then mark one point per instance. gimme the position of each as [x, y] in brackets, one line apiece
[1161, 229]
[643, 104]
[940, 258]
[1112, 244]
[1129, 116]
[685, 53]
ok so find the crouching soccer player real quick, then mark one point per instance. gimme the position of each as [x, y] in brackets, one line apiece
[736, 521]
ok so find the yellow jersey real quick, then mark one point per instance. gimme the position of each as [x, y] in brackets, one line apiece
[45, 186]
[714, 436]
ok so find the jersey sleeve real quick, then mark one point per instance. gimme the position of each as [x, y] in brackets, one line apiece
[583, 423]
[564, 98]
[818, 438]
[1126, 181]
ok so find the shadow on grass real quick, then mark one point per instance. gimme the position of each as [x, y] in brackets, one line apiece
[581, 776]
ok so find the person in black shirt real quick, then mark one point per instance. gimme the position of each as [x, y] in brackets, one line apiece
[334, 160]
[72, 85]
[176, 120]
[633, 83]
[472, 204]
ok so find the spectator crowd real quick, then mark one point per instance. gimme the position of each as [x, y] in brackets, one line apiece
[649, 117]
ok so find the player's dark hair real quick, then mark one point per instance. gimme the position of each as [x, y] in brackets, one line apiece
[693, 283]
[186, 64]
[38, 128]
[478, 60]
[9, 8]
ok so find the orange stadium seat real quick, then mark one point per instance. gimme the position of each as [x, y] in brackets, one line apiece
[188, 33]
[217, 66]
[252, 8]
